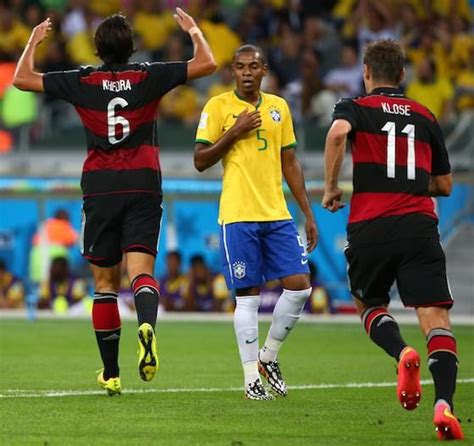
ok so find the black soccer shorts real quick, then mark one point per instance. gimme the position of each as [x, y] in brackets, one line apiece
[117, 223]
[418, 265]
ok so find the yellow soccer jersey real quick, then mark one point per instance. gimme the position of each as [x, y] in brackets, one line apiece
[252, 182]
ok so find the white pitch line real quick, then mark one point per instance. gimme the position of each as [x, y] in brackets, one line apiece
[22, 393]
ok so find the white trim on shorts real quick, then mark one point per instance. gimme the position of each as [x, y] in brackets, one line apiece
[227, 252]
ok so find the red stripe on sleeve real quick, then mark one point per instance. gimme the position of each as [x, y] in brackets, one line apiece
[369, 205]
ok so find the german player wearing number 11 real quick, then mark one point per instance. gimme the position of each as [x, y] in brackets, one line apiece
[252, 133]
[400, 162]
[121, 180]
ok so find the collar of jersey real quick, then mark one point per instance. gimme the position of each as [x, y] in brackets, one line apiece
[259, 102]
[389, 91]
[115, 67]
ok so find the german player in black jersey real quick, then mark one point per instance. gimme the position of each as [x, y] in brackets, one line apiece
[399, 163]
[121, 180]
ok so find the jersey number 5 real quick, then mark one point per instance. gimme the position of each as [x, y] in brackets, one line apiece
[262, 139]
[113, 120]
[409, 130]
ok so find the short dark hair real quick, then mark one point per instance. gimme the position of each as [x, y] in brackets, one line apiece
[174, 253]
[114, 40]
[386, 60]
[251, 49]
[197, 259]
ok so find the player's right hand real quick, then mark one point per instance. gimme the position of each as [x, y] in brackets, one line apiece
[247, 121]
[40, 32]
[185, 21]
[332, 199]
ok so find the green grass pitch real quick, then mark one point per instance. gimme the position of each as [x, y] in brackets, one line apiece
[61, 356]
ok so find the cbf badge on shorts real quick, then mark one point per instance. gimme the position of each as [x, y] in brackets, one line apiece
[239, 269]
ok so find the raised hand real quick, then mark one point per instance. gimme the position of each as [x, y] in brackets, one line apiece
[185, 21]
[40, 32]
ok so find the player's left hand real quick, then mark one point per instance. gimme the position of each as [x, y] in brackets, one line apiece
[185, 21]
[312, 234]
[40, 32]
[332, 199]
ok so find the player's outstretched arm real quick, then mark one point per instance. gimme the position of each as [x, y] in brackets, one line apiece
[333, 156]
[293, 174]
[206, 155]
[203, 63]
[25, 77]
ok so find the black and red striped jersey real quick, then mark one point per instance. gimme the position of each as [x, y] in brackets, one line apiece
[118, 107]
[397, 145]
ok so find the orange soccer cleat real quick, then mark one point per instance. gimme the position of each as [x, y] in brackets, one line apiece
[447, 425]
[409, 386]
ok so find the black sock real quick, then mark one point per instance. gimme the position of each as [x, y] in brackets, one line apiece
[106, 322]
[383, 330]
[147, 296]
[443, 363]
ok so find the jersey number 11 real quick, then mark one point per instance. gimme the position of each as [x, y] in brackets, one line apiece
[409, 130]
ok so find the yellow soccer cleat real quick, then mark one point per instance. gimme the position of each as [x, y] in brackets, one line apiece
[112, 385]
[148, 363]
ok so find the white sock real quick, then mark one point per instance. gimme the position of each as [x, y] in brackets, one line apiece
[246, 332]
[285, 315]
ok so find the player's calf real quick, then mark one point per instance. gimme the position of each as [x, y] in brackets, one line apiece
[147, 296]
[443, 363]
[383, 330]
[106, 323]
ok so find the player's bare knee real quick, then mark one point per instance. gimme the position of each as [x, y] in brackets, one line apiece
[251, 291]
[297, 282]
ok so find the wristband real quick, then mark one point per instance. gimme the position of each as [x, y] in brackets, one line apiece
[194, 30]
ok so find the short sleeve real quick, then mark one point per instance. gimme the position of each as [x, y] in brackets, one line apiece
[210, 124]
[62, 85]
[288, 138]
[344, 109]
[439, 155]
[164, 76]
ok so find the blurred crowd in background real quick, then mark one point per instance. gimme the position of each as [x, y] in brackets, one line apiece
[314, 49]
[54, 285]
[314, 53]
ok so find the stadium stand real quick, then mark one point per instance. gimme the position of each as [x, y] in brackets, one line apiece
[314, 54]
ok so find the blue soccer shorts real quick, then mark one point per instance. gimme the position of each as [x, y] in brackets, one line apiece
[253, 253]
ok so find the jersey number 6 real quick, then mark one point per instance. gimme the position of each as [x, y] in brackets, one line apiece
[113, 120]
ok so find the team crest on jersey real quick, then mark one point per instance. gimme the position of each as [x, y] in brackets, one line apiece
[275, 114]
[239, 269]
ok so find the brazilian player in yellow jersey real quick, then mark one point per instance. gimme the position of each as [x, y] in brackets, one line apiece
[252, 133]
